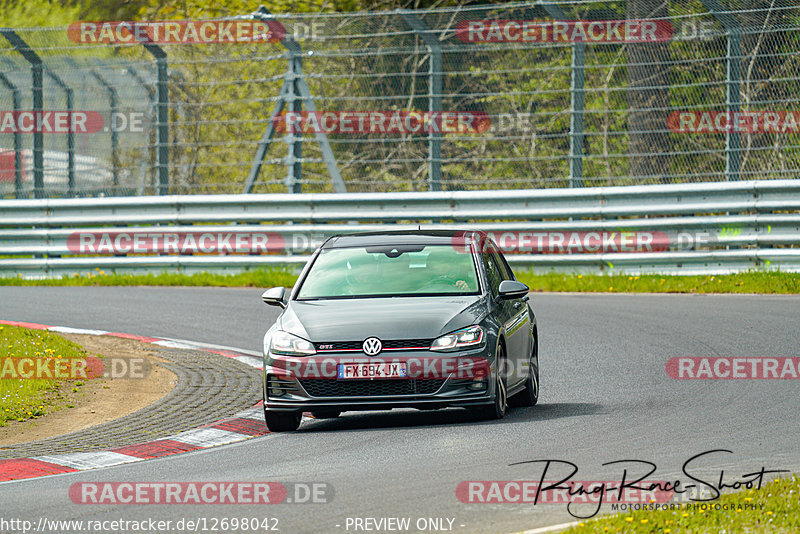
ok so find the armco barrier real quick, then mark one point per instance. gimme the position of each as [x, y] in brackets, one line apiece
[683, 228]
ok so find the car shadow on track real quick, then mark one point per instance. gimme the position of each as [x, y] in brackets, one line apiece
[407, 418]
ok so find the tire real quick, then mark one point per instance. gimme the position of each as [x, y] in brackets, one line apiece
[282, 421]
[496, 410]
[333, 414]
[529, 396]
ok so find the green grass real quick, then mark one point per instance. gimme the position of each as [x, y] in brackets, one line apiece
[22, 399]
[777, 511]
[256, 278]
[748, 282]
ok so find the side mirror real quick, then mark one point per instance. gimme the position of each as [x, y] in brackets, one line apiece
[274, 296]
[511, 289]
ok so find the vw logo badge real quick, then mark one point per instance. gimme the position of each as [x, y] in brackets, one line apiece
[371, 346]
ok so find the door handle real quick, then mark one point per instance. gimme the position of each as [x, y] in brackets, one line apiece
[517, 305]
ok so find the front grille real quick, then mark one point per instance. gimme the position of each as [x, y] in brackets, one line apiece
[338, 345]
[370, 388]
[390, 344]
[406, 343]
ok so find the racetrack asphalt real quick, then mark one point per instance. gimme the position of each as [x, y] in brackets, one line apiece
[605, 397]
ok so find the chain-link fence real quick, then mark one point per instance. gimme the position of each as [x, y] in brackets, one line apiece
[524, 95]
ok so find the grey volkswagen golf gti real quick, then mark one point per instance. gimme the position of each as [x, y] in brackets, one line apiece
[419, 319]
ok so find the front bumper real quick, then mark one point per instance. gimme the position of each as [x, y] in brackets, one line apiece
[460, 384]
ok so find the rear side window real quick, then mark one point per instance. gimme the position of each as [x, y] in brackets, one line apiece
[508, 274]
[494, 273]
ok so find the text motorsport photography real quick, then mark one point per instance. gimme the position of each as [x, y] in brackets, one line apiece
[695, 489]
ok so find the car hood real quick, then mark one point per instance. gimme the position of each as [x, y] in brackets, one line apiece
[385, 318]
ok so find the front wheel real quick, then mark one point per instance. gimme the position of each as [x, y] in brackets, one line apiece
[529, 396]
[282, 421]
[496, 410]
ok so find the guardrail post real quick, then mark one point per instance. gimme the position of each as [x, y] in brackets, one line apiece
[36, 89]
[434, 96]
[576, 101]
[162, 116]
[733, 73]
[112, 100]
[17, 136]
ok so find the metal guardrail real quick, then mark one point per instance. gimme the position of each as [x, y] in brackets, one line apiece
[680, 228]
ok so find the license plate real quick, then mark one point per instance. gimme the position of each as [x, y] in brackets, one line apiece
[372, 370]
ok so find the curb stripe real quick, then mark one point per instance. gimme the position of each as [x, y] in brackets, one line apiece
[256, 412]
[205, 437]
[156, 449]
[172, 344]
[144, 339]
[227, 353]
[249, 360]
[240, 425]
[32, 326]
[18, 468]
[88, 460]
[84, 331]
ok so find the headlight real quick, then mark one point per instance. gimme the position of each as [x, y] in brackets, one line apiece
[471, 336]
[290, 345]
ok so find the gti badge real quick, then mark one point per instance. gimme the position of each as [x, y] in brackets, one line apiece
[371, 346]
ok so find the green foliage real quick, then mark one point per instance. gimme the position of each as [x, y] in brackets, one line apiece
[22, 399]
[24, 14]
[767, 282]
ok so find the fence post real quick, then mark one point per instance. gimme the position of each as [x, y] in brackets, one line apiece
[733, 141]
[294, 139]
[434, 96]
[70, 134]
[36, 89]
[151, 110]
[17, 137]
[294, 92]
[733, 74]
[576, 115]
[576, 104]
[162, 116]
[112, 100]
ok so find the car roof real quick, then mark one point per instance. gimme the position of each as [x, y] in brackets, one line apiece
[401, 237]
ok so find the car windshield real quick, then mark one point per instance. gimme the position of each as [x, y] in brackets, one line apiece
[388, 271]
